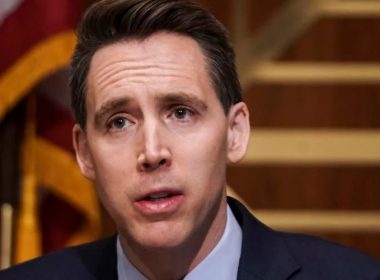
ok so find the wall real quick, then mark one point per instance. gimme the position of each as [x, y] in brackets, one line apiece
[311, 81]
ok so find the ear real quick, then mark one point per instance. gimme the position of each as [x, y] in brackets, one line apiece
[82, 152]
[238, 132]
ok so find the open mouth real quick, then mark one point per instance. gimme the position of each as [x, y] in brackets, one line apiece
[159, 196]
[160, 202]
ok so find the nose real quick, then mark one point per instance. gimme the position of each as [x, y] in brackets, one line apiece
[155, 152]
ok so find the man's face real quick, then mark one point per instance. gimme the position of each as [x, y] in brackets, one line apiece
[156, 141]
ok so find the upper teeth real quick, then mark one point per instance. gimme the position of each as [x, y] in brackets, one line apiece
[159, 195]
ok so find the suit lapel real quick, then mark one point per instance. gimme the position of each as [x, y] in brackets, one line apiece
[264, 254]
[107, 269]
[98, 260]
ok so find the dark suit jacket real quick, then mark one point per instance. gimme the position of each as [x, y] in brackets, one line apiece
[266, 255]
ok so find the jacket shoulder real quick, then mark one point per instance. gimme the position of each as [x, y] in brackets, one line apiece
[271, 254]
[324, 259]
[79, 262]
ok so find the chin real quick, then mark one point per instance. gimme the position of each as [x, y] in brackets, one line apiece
[160, 235]
[162, 243]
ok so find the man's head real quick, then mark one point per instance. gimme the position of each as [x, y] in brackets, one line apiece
[156, 138]
[111, 21]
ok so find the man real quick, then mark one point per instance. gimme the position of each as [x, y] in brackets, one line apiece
[160, 114]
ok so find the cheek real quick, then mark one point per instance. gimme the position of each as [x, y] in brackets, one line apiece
[113, 170]
[207, 159]
[211, 149]
[111, 158]
[114, 186]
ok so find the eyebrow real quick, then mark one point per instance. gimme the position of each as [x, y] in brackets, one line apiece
[111, 105]
[170, 98]
[182, 98]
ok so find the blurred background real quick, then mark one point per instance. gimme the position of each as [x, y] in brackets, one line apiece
[311, 79]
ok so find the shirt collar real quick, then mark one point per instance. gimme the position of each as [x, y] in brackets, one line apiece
[221, 263]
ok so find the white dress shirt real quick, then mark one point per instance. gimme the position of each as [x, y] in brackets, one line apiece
[220, 264]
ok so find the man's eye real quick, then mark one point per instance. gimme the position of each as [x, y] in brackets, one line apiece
[182, 113]
[119, 123]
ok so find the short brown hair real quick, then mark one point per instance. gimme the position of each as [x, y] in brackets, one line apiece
[110, 21]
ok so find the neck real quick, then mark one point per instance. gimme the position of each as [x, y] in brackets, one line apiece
[174, 263]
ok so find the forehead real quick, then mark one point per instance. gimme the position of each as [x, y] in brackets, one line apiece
[144, 72]
[161, 54]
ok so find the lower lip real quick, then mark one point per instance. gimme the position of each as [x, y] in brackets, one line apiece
[162, 206]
